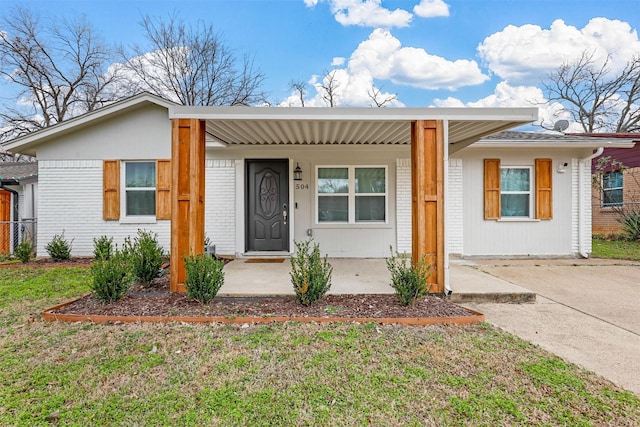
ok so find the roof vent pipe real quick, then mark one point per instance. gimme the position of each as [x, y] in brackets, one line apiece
[582, 249]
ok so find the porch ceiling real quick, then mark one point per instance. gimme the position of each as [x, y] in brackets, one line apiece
[302, 126]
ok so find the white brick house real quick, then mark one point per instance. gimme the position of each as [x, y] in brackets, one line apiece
[511, 194]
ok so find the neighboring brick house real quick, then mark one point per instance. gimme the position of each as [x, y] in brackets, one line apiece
[616, 186]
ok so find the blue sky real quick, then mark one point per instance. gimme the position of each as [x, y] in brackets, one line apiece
[428, 52]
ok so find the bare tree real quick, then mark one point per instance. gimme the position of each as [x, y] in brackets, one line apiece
[192, 65]
[300, 88]
[329, 87]
[378, 98]
[595, 97]
[57, 67]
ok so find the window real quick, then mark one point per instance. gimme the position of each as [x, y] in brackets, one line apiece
[140, 188]
[350, 194]
[515, 192]
[518, 192]
[612, 189]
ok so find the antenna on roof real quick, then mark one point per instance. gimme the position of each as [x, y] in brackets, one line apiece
[561, 125]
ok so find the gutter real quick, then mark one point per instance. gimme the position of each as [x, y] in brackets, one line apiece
[582, 250]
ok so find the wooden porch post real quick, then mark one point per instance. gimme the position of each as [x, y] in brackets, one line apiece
[427, 193]
[187, 191]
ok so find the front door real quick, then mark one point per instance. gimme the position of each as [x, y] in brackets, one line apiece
[267, 205]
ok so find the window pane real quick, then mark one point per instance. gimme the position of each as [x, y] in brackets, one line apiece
[370, 208]
[514, 179]
[141, 202]
[612, 197]
[333, 180]
[333, 209]
[514, 205]
[612, 180]
[370, 180]
[141, 174]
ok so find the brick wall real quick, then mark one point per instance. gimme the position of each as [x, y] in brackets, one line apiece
[605, 219]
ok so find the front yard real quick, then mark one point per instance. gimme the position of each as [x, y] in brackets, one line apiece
[278, 374]
[616, 249]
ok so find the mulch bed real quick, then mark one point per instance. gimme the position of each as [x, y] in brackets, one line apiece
[158, 301]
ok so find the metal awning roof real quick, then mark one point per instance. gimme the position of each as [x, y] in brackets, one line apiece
[307, 126]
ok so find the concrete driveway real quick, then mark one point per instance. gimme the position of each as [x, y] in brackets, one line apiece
[587, 311]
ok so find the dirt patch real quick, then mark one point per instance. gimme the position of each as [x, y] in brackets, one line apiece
[158, 301]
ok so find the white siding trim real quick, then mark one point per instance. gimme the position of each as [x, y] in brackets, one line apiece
[575, 209]
[403, 205]
[454, 207]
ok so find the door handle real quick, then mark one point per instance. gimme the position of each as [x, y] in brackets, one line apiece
[284, 213]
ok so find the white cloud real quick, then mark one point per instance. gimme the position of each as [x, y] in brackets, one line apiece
[365, 13]
[338, 61]
[431, 8]
[384, 57]
[506, 95]
[528, 53]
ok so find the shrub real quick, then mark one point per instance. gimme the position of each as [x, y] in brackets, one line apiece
[145, 256]
[204, 277]
[310, 274]
[102, 247]
[630, 222]
[59, 248]
[24, 251]
[408, 279]
[111, 277]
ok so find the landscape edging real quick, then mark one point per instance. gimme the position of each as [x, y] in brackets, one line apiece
[49, 316]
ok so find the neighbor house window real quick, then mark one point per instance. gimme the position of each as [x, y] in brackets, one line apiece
[612, 189]
[351, 194]
[140, 188]
[515, 192]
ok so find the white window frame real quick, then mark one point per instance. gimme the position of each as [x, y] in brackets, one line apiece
[530, 192]
[351, 195]
[621, 188]
[123, 194]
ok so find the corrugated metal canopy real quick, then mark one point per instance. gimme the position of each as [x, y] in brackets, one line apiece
[259, 126]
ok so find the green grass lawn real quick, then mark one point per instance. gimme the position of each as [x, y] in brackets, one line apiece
[280, 374]
[616, 249]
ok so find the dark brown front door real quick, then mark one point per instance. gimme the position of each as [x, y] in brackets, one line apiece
[267, 205]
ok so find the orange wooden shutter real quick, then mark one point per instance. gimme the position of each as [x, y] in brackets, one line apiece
[111, 190]
[491, 188]
[544, 195]
[163, 189]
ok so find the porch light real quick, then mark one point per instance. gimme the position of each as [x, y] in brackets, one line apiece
[297, 173]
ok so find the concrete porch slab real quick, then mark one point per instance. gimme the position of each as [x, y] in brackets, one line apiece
[367, 276]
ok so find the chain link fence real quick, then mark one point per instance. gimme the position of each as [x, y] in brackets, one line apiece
[14, 232]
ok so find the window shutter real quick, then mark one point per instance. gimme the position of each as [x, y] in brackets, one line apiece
[111, 190]
[163, 189]
[544, 195]
[491, 188]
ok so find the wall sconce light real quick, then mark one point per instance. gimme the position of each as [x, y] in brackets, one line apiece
[297, 173]
[562, 167]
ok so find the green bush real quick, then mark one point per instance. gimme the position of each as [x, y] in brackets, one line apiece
[59, 248]
[24, 251]
[408, 279]
[103, 247]
[310, 274]
[111, 277]
[145, 256]
[630, 222]
[204, 277]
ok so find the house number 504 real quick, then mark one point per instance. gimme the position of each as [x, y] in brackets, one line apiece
[302, 186]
